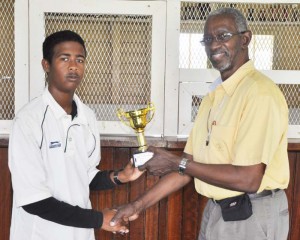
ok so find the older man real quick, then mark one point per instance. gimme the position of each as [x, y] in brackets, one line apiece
[237, 150]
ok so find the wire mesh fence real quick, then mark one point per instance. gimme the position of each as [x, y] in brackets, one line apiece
[118, 66]
[274, 45]
[7, 60]
[274, 26]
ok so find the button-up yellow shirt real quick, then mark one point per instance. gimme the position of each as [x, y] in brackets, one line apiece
[242, 122]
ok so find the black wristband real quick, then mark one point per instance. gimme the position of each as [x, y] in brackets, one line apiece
[116, 179]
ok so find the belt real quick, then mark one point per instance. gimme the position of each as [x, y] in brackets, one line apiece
[264, 193]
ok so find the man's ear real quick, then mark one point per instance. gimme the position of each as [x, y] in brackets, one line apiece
[46, 65]
[247, 36]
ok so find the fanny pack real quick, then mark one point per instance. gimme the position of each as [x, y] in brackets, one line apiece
[236, 208]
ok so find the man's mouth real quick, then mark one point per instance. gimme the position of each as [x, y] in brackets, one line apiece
[217, 55]
[72, 77]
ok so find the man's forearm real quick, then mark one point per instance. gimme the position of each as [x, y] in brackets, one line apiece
[164, 187]
[102, 181]
[63, 213]
[237, 178]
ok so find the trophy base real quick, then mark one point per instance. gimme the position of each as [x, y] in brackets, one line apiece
[141, 158]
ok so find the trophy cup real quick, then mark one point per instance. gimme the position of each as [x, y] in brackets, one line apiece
[138, 119]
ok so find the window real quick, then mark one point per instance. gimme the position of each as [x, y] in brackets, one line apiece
[192, 55]
[261, 51]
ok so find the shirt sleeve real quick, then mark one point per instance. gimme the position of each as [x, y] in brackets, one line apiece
[102, 181]
[262, 126]
[63, 213]
[26, 165]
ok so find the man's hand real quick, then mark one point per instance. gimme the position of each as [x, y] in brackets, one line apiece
[130, 173]
[128, 212]
[162, 162]
[120, 227]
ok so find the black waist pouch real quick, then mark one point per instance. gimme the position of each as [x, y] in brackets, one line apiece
[236, 208]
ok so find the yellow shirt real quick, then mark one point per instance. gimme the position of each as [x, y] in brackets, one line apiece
[245, 121]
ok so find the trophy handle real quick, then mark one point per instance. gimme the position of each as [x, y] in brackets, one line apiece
[152, 109]
[122, 116]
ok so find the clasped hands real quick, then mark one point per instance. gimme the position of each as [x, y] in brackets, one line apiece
[162, 163]
[116, 220]
[123, 215]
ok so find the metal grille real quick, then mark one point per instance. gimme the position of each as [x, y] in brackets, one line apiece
[118, 66]
[7, 60]
[196, 101]
[291, 92]
[274, 26]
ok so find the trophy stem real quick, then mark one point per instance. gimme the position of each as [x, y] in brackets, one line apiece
[142, 141]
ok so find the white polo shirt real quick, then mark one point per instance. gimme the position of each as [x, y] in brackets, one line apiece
[51, 156]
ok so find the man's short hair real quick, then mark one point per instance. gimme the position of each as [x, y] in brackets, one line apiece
[58, 37]
[239, 18]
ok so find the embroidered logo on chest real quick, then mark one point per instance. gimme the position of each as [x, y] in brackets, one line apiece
[55, 144]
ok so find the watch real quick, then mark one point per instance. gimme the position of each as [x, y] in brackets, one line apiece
[116, 179]
[182, 166]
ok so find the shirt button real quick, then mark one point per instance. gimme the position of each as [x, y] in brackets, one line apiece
[69, 139]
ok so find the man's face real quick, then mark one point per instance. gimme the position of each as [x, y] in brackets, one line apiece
[224, 56]
[67, 67]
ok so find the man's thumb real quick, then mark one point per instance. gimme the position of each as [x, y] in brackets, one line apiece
[112, 223]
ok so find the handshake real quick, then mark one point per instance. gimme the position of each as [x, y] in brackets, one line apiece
[157, 162]
[116, 220]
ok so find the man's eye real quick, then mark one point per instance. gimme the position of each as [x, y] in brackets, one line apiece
[224, 36]
[207, 39]
[80, 60]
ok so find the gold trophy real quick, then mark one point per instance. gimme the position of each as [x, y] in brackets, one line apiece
[137, 120]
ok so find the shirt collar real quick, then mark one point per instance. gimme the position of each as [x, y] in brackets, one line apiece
[59, 112]
[232, 82]
[215, 84]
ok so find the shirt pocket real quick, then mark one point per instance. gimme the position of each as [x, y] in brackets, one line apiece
[221, 144]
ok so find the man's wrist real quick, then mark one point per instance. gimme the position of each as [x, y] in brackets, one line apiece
[138, 206]
[182, 165]
[118, 177]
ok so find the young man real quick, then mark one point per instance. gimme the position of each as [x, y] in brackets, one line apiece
[237, 150]
[54, 149]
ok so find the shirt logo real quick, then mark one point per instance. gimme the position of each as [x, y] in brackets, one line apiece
[55, 144]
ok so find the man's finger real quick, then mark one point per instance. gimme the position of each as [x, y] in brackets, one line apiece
[133, 217]
[115, 220]
[142, 167]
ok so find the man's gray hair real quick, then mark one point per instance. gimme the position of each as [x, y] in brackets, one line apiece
[239, 18]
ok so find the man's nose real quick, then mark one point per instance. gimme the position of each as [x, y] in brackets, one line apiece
[73, 65]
